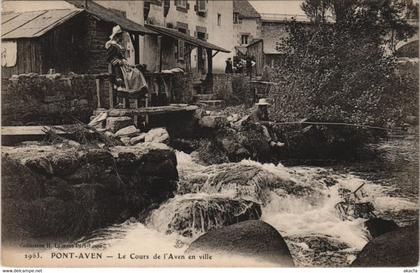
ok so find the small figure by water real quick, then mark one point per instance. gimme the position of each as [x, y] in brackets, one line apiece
[127, 76]
[229, 66]
[260, 115]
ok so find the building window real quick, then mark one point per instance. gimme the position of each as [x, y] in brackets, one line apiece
[181, 45]
[181, 50]
[244, 39]
[202, 5]
[181, 3]
[219, 19]
[236, 19]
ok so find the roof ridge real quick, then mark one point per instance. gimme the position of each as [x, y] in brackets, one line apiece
[29, 11]
[245, 9]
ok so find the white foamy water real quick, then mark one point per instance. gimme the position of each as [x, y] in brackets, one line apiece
[296, 216]
[315, 215]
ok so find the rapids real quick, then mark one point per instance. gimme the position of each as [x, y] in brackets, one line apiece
[300, 202]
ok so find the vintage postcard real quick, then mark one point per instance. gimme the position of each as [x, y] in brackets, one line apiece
[210, 133]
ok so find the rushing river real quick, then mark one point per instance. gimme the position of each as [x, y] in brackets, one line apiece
[316, 233]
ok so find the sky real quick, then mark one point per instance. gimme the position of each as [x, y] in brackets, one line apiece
[291, 7]
[34, 5]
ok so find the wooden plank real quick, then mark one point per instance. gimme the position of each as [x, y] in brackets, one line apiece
[30, 130]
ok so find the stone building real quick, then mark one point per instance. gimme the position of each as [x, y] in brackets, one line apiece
[265, 49]
[246, 25]
[208, 21]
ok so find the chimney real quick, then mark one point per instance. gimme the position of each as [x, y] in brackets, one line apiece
[86, 4]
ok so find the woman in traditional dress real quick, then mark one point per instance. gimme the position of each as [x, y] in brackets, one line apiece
[127, 77]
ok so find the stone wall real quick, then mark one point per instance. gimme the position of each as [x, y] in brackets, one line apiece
[32, 99]
[63, 192]
[241, 89]
[182, 88]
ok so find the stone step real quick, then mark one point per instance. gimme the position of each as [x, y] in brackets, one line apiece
[211, 104]
[204, 97]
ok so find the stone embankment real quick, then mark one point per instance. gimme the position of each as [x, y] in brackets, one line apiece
[57, 191]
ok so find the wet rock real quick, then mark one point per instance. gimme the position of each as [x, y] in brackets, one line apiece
[329, 181]
[193, 214]
[319, 250]
[157, 135]
[59, 188]
[125, 140]
[97, 156]
[64, 163]
[212, 122]
[378, 226]
[233, 118]
[255, 239]
[114, 124]
[18, 180]
[399, 247]
[138, 139]
[324, 243]
[363, 209]
[185, 145]
[40, 165]
[127, 131]
[109, 134]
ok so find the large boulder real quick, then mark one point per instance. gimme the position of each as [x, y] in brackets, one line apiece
[61, 192]
[255, 239]
[399, 247]
[193, 214]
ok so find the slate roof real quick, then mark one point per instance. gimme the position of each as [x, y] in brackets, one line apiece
[245, 9]
[32, 24]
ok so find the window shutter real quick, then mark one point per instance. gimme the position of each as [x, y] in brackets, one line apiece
[207, 36]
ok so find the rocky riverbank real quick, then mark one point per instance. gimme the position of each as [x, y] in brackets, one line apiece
[62, 192]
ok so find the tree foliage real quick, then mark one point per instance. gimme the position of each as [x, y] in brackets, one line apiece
[340, 72]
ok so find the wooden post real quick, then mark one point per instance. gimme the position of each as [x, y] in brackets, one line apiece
[160, 52]
[135, 41]
[111, 94]
[98, 92]
[136, 117]
[209, 62]
[136, 50]
[210, 69]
